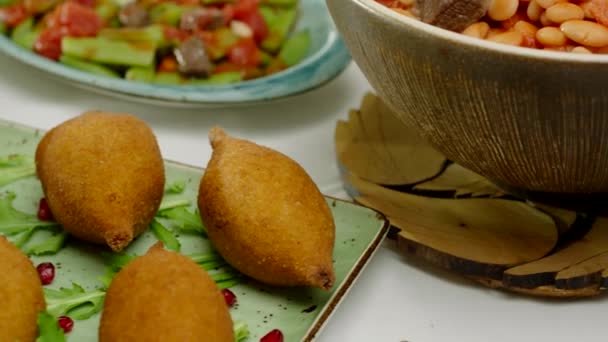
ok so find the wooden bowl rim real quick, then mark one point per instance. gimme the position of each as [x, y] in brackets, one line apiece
[401, 22]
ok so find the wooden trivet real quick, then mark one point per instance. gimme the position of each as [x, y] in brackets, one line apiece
[456, 219]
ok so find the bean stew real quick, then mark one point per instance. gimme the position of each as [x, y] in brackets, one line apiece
[577, 26]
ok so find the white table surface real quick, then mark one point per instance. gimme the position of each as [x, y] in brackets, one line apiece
[395, 298]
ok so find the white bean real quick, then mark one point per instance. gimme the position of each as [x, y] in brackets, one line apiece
[545, 21]
[534, 10]
[565, 11]
[580, 49]
[477, 30]
[509, 38]
[502, 9]
[551, 36]
[547, 3]
[585, 32]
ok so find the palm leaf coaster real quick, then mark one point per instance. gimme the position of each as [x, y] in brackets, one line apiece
[456, 219]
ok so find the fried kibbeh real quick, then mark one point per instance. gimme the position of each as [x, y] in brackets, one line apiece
[265, 215]
[103, 176]
[164, 296]
[21, 295]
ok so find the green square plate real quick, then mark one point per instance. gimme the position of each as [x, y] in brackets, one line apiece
[299, 313]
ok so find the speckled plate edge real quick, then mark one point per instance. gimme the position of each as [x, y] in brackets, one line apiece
[326, 63]
[336, 299]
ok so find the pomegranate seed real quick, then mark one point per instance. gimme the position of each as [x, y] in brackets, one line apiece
[46, 271]
[229, 297]
[44, 212]
[274, 336]
[65, 323]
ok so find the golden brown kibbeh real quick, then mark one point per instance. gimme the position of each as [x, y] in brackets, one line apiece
[103, 176]
[164, 296]
[21, 295]
[265, 215]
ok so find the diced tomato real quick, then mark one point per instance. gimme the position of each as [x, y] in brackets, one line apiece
[245, 53]
[244, 8]
[248, 12]
[48, 43]
[228, 12]
[256, 22]
[69, 19]
[168, 64]
[81, 21]
[175, 34]
[13, 15]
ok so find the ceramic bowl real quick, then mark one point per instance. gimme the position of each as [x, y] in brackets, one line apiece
[527, 119]
[328, 56]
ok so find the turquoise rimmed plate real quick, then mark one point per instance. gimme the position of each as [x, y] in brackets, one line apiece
[327, 58]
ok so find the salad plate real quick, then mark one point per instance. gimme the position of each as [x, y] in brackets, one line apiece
[82, 268]
[326, 58]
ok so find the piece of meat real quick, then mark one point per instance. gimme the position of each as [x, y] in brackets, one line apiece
[192, 58]
[202, 19]
[454, 15]
[133, 15]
